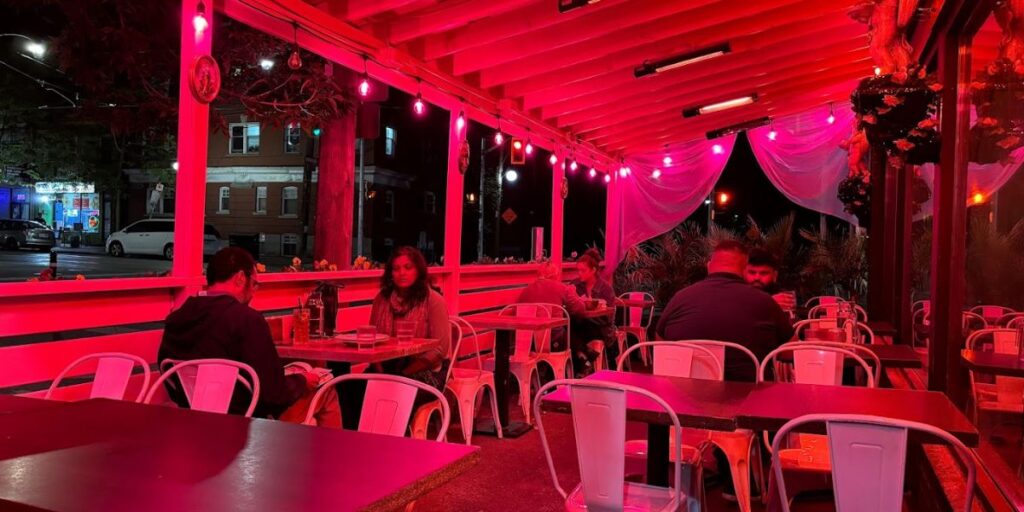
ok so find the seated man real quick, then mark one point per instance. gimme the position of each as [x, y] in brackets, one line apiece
[220, 324]
[547, 289]
[763, 273]
[724, 307]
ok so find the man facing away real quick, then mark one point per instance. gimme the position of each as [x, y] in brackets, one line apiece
[220, 324]
[724, 307]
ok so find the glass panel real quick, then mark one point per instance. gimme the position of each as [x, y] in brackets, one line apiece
[80, 149]
[584, 212]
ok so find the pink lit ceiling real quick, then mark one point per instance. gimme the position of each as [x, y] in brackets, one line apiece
[574, 70]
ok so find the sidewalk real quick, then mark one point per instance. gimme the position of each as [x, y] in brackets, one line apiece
[93, 250]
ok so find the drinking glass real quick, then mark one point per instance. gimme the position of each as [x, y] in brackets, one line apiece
[365, 337]
[405, 330]
[300, 323]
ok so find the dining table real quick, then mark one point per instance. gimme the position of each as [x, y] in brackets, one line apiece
[993, 363]
[119, 456]
[505, 328]
[15, 403]
[891, 356]
[598, 312]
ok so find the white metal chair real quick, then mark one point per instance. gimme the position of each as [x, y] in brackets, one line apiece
[861, 350]
[465, 384]
[991, 313]
[737, 446]
[560, 361]
[599, 421]
[862, 334]
[868, 459]
[110, 380]
[522, 364]
[921, 319]
[998, 394]
[1005, 320]
[832, 310]
[208, 384]
[823, 300]
[387, 403]
[636, 321]
[812, 364]
[972, 322]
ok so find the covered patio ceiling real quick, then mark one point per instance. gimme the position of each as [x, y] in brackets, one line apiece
[574, 70]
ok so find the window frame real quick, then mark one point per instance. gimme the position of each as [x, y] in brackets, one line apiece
[284, 199]
[390, 141]
[288, 130]
[295, 236]
[221, 196]
[256, 203]
[245, 138]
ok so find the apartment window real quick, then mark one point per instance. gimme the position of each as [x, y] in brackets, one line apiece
[289, 244]
[389, 205]
[290, 201]
[261, 200]
[429, 202]
[292, 138]
[390, 136]
[245, 138]
[224, 200]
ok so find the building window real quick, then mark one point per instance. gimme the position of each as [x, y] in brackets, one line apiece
[245, 138]
[389, 205]
[261, 200]
[290, 201]
[292, 138]
[429, 202]
[224, 202]
[390, 136]
[289, 244]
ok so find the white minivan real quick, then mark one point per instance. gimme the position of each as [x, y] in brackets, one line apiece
[156, 236]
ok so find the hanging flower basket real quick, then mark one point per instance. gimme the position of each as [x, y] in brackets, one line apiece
[855, 193]
[892, 109]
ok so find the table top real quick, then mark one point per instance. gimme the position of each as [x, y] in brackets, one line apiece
[882, 328]
[772, 404]
[598, 312]
[992, 363]
[126, 456]
[14, 403]
[891, 356]
[698, 403]
[515, 323]
[337, 351]
[634, 303]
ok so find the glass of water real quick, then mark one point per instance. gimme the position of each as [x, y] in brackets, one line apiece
[405, 330]
[366, 335]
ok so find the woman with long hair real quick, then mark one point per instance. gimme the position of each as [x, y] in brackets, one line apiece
[405, 295]
[589, 284]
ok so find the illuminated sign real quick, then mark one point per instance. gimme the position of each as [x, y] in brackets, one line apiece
[64, 187]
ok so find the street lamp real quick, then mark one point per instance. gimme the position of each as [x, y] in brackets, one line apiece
[37, 49]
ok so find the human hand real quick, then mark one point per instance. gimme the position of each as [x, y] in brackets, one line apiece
[312, 380]
[785, 300]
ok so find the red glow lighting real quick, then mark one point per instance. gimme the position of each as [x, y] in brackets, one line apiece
[723, 198]
[978, 198]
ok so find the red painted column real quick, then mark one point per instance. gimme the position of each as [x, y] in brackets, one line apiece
[453, 212]
[335, 191]
[193, 126]
[613, 224]
[557, 207]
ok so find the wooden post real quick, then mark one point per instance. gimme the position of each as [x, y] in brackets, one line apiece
[193, 127]
[613, 225]
[453, 212]
[335, 191]
[880, 239]
[949, 223]
[557, 207]
[902, 319]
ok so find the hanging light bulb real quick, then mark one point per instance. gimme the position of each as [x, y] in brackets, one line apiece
[499, 139]
[511, 175]
[460, 123]
[607, 178]
[878, 71]
[364, 85]
[831, 114]
[573, 166]
[199, 21]
[771, 130]
[294, 60]
[656, 174]
[623, 172]
[667, 160]
[717, 149]
[529, 147]
[553, 159]
[418, 106]
[592, 173]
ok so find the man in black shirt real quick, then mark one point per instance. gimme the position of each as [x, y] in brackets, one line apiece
[724, 307]
[220, 324]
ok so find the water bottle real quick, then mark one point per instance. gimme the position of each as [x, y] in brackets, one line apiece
[316, 315]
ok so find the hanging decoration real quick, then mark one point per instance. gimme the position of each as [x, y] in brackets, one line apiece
[463, 156]
[294, 60]
[998, 92]
[565, 188]
[204, 79]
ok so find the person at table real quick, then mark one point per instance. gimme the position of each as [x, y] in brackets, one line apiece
[405, 295]
[762, 272]
[548, 289]
[724, 307]
[590, 285]
[220, 324]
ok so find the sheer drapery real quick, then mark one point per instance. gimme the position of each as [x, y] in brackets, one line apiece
[651, 206]
[805, 162]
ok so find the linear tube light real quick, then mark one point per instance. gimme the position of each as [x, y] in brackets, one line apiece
[719, 106]
[678, 61]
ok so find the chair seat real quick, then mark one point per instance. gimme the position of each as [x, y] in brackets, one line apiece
[636, 497]
[815, 458]
[470, 374]
[997, 406]
[530, 360]
[693, 440]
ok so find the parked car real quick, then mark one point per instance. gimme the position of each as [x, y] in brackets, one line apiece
[16, 234]
[156, 236]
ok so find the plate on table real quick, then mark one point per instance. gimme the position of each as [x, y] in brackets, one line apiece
[353, 338]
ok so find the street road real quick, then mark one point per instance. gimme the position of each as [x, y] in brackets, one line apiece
[22, 265]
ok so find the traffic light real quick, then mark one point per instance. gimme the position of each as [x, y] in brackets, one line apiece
[518, 152]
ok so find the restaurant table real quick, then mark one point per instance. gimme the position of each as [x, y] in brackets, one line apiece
[598, 313]
[891, 356]
[1007, 365]
[698, 403]
[13, 403]
[119, 456]
[505, 327]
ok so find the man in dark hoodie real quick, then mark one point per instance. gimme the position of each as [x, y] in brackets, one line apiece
[220, 324]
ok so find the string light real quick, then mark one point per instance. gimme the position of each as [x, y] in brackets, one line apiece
[607, 178]
[717, 149]
[529, 147]
[499, 139]
[623, 172]
[573, 166]
[511, 175]
[294, 60]
[878, 71]
[831, 114]
[771, 130]
[418, 106]
[199, 21]
[364, 85]
[592, 173]
[553, 159]
[656, 174]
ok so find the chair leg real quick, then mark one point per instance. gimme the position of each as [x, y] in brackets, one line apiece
[737, 451]
[421, 421]
[494, 407]
[467, 415]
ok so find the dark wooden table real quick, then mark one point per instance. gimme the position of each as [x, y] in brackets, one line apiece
[881, 328]
[13, 403]
[891, 356]
[772, 404]
[1007, 365]
[342, 352]
[598, 313]
[118, 456]
[698, 403]
[505, 327]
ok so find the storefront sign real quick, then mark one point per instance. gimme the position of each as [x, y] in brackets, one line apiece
[64, 187]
